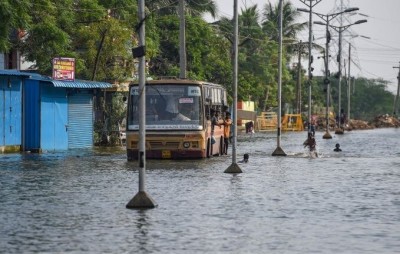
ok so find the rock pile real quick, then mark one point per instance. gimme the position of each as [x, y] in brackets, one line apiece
[385, 121]
[357, 125]
[382, 121]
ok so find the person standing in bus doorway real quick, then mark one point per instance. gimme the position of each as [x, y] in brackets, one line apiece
[227, 130]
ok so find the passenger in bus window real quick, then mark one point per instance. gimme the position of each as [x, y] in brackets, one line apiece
[214, 119]
[189, 110]
[172, 107]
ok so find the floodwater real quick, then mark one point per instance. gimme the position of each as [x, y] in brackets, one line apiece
[74, 202]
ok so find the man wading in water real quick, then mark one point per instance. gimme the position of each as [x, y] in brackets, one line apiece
[311, 143]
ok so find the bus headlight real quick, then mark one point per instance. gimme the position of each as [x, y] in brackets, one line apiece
[186, 144]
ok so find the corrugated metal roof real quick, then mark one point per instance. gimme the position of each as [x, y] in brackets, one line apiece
[57, 83]
[14, 73]
[80, 84]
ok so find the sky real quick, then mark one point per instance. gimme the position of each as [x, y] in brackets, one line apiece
[372, 57]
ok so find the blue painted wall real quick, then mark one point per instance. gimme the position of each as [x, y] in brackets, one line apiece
[31, 115]
[10, 111]
[53, 118]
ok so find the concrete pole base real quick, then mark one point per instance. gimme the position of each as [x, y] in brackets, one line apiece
[141, 201]
[327, 135]
[278, 152]
[339, 131]
[233, 169]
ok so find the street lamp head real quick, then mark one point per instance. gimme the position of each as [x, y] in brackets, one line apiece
[319, 23]
[360, 21]
[351, 9]
[365, 37]
[302, 10]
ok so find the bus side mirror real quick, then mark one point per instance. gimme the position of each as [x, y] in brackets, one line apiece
[124, 99]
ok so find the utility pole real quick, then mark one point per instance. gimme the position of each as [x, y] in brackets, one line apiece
[299, 48]
[327, 18]
[310, 4]
[349, 86]
[339, 130]
[142, 200]
[279, 151]
[182, 40]
[327, 81]
[398, 91]
[234, 167]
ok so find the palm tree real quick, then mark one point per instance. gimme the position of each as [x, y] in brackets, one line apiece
[290, 28]
[193, 7]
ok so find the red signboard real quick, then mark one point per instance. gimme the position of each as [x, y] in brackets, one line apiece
[64, 68]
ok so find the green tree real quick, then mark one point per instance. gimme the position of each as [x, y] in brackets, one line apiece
[193, 7]
[370, 99]
[14, 15]
[205, 50]
[290, 28]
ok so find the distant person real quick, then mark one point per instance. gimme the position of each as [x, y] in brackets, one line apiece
[245, 158]
[343, 117]
[227, 124]
[337, 148]
[249, 127]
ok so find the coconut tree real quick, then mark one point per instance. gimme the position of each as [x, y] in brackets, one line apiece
[289, 26]
[193, 7]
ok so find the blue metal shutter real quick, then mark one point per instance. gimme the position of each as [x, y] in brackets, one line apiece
[80, 120]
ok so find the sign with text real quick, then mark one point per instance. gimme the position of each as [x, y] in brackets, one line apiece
[64, 69]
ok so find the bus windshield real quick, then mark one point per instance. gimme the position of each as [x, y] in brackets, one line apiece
[168, 107]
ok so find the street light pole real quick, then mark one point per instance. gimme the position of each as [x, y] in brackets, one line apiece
[311, 4]
[340, 29]
[327, 82]
[279, 151]
[327, 18]
[348, 86]
[142, 200]
[339, 130]
[397, 95]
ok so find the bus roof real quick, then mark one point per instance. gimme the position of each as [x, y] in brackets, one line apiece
[178, 82]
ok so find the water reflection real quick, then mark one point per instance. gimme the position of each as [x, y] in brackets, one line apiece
[142, 235]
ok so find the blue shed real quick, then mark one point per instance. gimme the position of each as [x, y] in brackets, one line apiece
[56, 115]
[10, 110]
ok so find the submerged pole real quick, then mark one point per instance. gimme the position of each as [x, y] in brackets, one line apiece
[142, 200]
[279, 151]
[327, 82]
[234, 167]
[397, 95]
[311, 4]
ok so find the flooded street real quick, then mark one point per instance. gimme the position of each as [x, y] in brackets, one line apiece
[74, 202]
